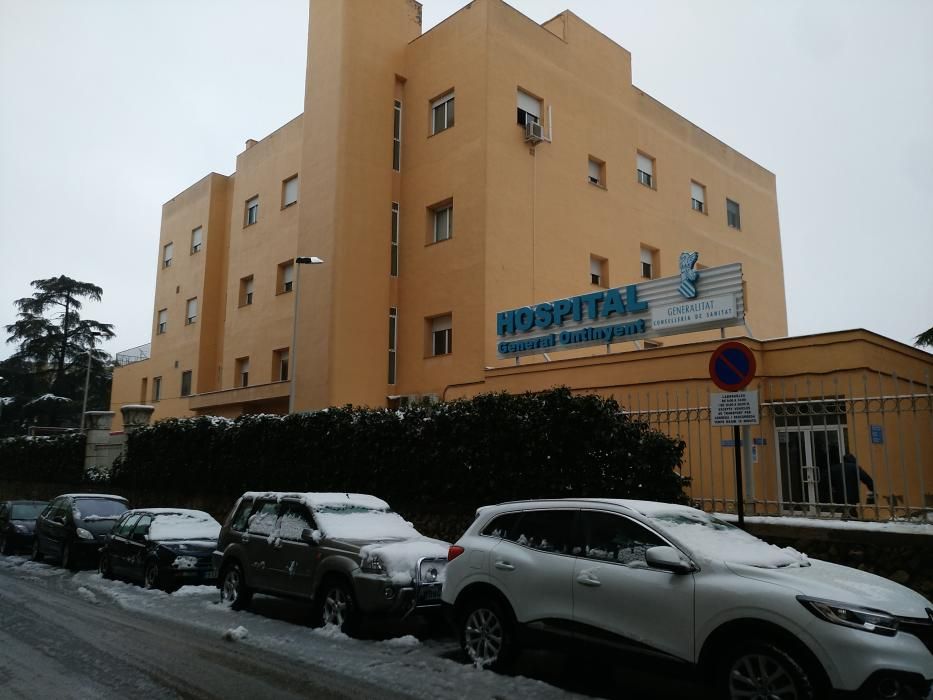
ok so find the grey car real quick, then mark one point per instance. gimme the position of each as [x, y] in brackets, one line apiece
[349, 554]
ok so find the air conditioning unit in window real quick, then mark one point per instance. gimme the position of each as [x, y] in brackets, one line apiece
[534, 132]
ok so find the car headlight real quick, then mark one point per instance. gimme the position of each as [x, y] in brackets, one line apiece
[20, 529]
[84, 534]
[185, 562]
[373, 565]
[876, 621]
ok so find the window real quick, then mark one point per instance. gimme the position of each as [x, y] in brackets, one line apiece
[397, 138]
[262, 522]
[167, 253]
[608, 537]
[529, 108]
[197, 240]
[596, 172]
[393, 340]
[191, 311]
[141, 529]
[289, 191]
[186, 383]
[286, 277]
[280, 365]
[124, 528]
[646, 170]
[246, 290]
[242, 371]
[598, 274]
[697, 197]
[238, 523]
[393, 263]
[732, 214]
[163, 321]
[503, 527]
[441, 335]
[252, 210]
[293, 520]
[648, 267]
[157, 388]
[545, 530]
[442, 113]
[443, 222]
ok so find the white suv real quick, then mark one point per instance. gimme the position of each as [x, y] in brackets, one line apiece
[671, 581]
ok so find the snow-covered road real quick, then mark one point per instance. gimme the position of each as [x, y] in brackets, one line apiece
[77, 635]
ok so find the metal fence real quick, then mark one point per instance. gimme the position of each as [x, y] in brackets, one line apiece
[137, 354]
[796, 463]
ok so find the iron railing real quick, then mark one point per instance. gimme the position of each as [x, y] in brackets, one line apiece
[137, 354]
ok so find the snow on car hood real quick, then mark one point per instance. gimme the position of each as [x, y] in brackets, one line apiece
[400, 559]
[842, 584]
[183, 524]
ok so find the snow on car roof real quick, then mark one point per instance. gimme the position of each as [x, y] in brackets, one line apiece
[174, 511]
[93, 495]
[320, 500]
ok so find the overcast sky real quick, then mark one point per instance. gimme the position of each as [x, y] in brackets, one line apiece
[108, 108]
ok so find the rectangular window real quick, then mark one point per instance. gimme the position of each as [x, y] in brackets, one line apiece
[163, 321]
[156, 388]
[393, 341]
[442, 113]
[697, 197]
[596, 172]
[397, 138]
[242, 371]
[441, 335]
[393, 264]
[252, 210]
[648, 268]
[186, 383]
[598, 271]
[191, 311]
[167, 253]
[645, 170]
[732, 214]
[529, 108]
[246, 290]
[289, 191]
[443, 222]
[280, 365]
[286, 277]
[197, 240]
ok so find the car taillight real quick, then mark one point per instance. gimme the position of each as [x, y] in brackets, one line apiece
[454, 551]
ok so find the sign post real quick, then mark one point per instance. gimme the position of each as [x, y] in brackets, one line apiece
[732, 367]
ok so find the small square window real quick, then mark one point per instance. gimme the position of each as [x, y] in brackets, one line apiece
[596, 172]
[252, 210]
[191, 311]
[246, 291]
[289, 191]
[645, 170]
[286, 277]
[197, 240]
[697, 197]
[186, 383]
[441, 335]
[442, 113]
[156, 388]
[599, 271]
[442, 222]
[733, 218]
[649, 260]
[280, 365]
[242, 371]
[529, 109]
[167, 252]
[163, 321]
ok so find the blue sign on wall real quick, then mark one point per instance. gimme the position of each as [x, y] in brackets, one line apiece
[877, 434]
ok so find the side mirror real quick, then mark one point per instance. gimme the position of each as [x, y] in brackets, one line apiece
[307, 535]
[668, 559]
[139, 537]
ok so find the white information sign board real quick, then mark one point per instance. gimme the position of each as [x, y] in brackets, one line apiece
[734, 408]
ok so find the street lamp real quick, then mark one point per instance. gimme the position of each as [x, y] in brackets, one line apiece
[87, 383]
[293, 352]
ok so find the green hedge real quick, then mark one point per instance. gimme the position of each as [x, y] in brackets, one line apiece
[464, 453]
[55, 459]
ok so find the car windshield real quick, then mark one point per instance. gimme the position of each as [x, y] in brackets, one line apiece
[91, 509]
[707, 536]
[357, 522]
[184, 525]
[26, 511]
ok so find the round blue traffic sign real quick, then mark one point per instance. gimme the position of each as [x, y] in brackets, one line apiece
[732, 366]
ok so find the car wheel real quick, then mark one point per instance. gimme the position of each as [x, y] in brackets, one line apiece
[68, 558]
[761, 669]
[36, 552]
[233, 590]
[337, 606]
[152, 578]
[486, 634]
[5, 547]
[104, 567]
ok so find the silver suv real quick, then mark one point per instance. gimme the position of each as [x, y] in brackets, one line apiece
[348, 553]
[680, 584]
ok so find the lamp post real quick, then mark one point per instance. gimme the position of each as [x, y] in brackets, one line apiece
[293, 351]
[87, 384]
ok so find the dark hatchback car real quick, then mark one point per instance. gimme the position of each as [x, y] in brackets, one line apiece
[18, 524]
[164, 548]
[73, 527]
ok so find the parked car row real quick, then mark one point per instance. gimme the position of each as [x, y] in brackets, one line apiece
[654, 579]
